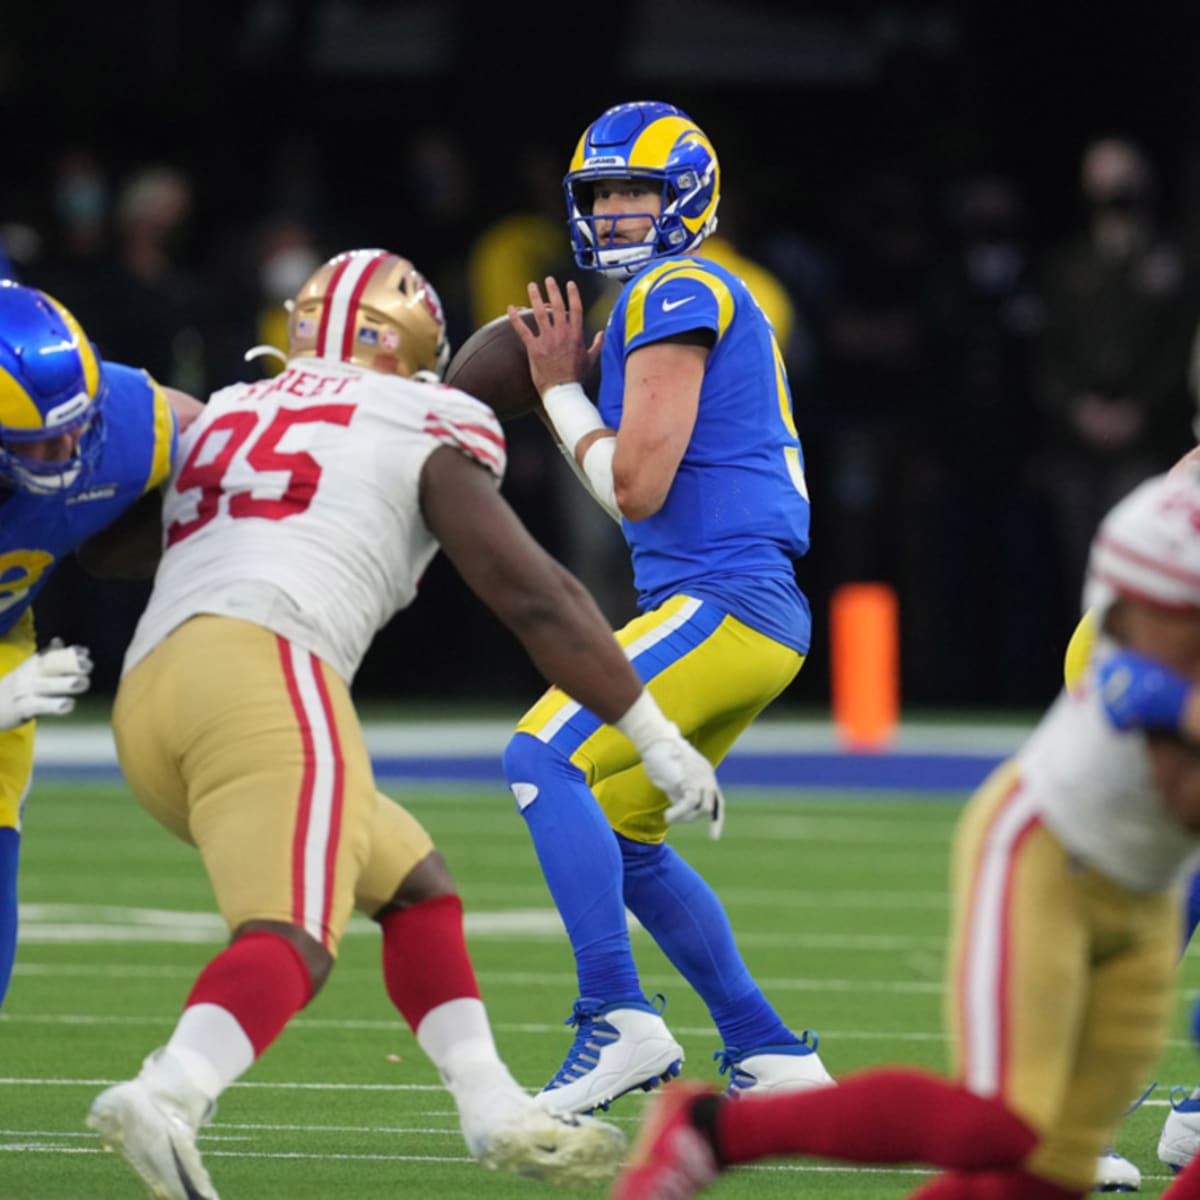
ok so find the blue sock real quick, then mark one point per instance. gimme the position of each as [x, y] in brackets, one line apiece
[10, 849]
[1192, 910]
[578, 852]
[683, 915]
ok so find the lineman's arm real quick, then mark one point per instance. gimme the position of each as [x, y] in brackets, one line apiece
[558, 623]
[185, 407]
[131, 546]
[1138, 692]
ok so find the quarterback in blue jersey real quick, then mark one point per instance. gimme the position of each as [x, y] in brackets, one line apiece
[80, 441]
[692, 448]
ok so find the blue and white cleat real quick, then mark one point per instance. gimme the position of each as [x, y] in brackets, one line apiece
[1115, 1173]
[618, 1047]
[1180, 1139]
[787, 1067]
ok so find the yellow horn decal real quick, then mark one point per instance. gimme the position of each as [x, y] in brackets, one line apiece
[17, 410]
[87, 356]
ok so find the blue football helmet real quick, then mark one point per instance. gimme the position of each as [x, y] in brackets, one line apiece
[656, 142]
[51, 385]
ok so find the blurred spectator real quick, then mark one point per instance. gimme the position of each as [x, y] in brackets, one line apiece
[437, 180]
[525, 244]
[81, 205]
[141, 306]
[1121, 306]
[728, 248]
[287, 256]
[988, 618]
[79, 227]
[861, 433]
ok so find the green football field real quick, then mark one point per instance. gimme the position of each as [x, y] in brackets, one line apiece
[838, 899]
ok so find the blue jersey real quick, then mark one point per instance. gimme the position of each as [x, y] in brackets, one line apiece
[36, 532]
[736, 517]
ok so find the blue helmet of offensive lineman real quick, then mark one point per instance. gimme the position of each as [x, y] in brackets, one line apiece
[51, 395]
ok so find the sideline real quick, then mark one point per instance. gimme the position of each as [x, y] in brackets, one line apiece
[925, 756]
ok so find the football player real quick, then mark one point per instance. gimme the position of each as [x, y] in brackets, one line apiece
[81, 440]
[693, 449]
[1067, 865]
[1179, 1142]
[301, 515]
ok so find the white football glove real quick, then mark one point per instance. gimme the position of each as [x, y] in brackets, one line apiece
[44, 685]
[676, 767]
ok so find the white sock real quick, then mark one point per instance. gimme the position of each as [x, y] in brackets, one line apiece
[457, 1034]
[211, 1048]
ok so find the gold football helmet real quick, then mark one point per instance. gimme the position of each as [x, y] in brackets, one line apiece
[373, 309]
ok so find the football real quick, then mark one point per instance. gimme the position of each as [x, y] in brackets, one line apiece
[492, 366]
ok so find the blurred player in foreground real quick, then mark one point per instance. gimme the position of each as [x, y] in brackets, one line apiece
[693, 450]
[1179, 1142]
[81, 440]
[1066, 867]
[303, 512]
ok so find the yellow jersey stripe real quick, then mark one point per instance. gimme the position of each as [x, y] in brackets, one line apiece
[164, 428]
[635, 312]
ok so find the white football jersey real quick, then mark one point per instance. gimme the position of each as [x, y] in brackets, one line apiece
[294, 504]
[1095, 790]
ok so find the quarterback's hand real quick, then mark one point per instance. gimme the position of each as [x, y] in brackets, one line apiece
[44, 685]
[1137, 692]
[676, 767]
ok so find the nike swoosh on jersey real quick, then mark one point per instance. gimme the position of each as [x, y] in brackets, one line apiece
[669, 305]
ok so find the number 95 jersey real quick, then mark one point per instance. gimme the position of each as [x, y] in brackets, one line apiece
[295, 505]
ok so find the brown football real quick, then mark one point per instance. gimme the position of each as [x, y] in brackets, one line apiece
[492, 366]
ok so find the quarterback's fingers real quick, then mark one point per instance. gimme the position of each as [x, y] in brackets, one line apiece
[554, 296]
[518, 323]
[51, 706]
[540, 309]
[574, 304]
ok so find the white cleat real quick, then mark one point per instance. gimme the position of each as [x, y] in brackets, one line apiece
[783, 1068]
[618, 1047]
[152, 1125]
[1115, 1173]
[507, 1130]
[566, 1151]
[1180, 1139]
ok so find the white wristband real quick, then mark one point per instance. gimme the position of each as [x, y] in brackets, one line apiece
[644, 723]
[571, 412]
[598, 471]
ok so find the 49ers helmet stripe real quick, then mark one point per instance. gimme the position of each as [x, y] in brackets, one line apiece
[373, 309]
[349, 281]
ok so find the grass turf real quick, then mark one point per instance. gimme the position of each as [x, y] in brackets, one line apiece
[838, 901]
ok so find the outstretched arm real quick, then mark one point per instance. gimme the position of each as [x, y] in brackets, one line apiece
[1139, 692]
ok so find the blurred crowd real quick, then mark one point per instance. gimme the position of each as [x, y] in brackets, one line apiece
[971, 395]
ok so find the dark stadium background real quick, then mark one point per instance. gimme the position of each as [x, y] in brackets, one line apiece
[318, 104]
